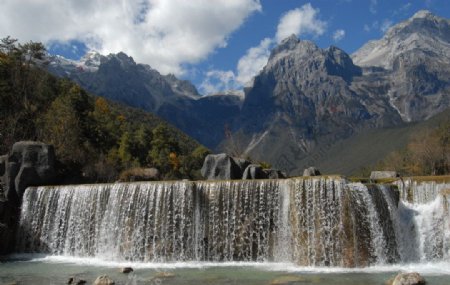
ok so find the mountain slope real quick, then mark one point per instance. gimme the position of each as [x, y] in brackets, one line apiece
[119, 78]
[367, 148]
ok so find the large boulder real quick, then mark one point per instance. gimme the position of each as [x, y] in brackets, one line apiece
[222, 167]
[275, 174]
[254, 171]
[242, 163]
[375, 175]
[412, 278]
[28, 164]
[311, 171]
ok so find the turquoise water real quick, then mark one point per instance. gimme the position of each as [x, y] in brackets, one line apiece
[57, 270]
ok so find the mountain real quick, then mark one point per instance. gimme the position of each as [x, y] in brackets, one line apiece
[422, 32]
[305, 97]
[304, 102]
[118, 77]
[415, 55]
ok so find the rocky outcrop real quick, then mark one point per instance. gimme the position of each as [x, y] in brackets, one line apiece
[222, 167]
[254, 171]
[28, 164]
[311, 171]
[375, 175]
[412, 278]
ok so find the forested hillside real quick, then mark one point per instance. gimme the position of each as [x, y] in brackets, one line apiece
[95, 140]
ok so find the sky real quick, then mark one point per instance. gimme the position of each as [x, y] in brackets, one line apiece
[216, 44]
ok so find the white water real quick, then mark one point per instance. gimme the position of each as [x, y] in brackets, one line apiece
[318, 222]
[420, 192]
[429, 268]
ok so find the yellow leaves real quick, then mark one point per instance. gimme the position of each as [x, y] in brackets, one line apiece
[121, 118]
[174, 161]
[101, 105]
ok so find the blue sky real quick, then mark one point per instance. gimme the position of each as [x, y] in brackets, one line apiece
[217, 44]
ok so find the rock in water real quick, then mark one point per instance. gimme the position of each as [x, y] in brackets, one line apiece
[74, 280]
[412, 278]
[126, 270]
[311, 171]
[103, 280]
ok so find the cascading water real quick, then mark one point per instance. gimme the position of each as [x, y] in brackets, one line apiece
[309, 221]
[420, 192]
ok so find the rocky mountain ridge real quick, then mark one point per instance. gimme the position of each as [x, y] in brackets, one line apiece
[423, 31]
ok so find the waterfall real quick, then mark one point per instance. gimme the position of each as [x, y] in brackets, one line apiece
[317, 221]
[420, 192]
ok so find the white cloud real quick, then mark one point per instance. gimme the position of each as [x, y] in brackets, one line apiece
[253, 61]
[303, 20]
[338, 35]
[218, 80]
[162, 33]
[385, 25]
[248, 66]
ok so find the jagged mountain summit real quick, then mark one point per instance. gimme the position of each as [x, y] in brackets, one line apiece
[120, 78]
[423, 32]
[416, 57]
[306, 95]
[303, 100]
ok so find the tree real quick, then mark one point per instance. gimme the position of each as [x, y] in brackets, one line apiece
[162, 145]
